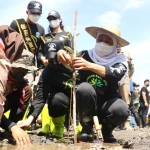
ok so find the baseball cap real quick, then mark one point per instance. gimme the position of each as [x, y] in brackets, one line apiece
[25, 61]
[135, 84]
[54, 14]
[35, 7]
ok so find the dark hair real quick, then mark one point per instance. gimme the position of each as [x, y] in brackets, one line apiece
[135, 84]
[147, 80]
[61, 26]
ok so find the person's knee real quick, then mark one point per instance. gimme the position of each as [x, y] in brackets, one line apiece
[58, 99]
[116, 111]
[84, 89]
[86, 96]
[58, 104]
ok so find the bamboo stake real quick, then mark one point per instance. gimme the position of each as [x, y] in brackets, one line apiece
[97, 128]
[74, 81]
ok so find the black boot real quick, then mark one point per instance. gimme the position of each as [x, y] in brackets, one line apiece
[86, 121]
[107, 134]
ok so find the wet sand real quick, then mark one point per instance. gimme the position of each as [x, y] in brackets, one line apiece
[139, 136]
[83, 146]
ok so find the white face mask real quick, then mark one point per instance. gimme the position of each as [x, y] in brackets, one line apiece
[34, 18]
[103, 49]
[54, 23]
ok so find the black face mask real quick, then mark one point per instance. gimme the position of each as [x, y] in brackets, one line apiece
[147, 85]
[17, 75]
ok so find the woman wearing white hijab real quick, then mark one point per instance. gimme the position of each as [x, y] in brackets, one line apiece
[100, 70]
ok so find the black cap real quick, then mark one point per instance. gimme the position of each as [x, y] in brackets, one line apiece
[54, 14]
[35, 7]
[135, 84]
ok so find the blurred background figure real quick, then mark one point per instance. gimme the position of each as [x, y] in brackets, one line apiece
[125, 88]
[134, 106]
[144, 103]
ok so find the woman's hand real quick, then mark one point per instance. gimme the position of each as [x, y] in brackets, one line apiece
[80, 63]
[24, 124]
[20, 136]
[44, 61]
[63, 57]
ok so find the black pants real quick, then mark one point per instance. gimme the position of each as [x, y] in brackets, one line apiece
[143, 113]
[58, 104]
[113, 111]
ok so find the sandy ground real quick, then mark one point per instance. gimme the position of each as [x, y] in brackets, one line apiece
[140, 137]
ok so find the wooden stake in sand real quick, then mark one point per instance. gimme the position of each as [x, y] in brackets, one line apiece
[74, 80]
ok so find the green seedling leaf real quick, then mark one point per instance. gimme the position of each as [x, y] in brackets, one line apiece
[68, 49]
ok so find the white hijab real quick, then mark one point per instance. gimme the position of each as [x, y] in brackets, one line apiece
[112, 58]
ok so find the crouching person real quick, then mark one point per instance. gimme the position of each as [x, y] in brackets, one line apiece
[18, 93]
[11, 47]
[100, 70]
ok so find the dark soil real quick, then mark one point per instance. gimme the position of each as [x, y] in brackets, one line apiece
[136, 139]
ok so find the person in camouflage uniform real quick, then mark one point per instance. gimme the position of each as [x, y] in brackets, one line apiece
[18, 93]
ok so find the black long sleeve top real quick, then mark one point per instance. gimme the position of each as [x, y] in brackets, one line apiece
[57, 77]
[53, 42]
[6, 123]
